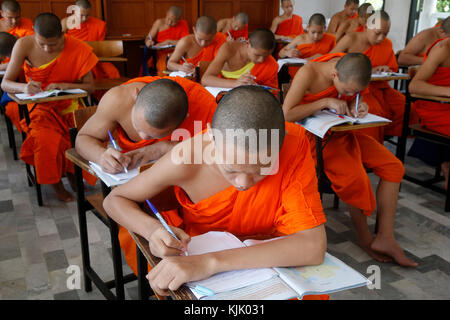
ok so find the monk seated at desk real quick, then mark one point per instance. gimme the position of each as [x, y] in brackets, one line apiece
[202, 45]
[288, 25]
[350, 12]
[90, 29]
[355, 25]
[247, 198]
[239, 63]
[383, 100]
[166, 31]
[12, 21]
[331, 82]
[433, 79]
[51, 61]
[416, 48]
[235, 28]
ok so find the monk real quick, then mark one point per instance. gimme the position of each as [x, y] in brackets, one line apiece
[91, 29]
[350, 12]
[416, 48]
[202, 45]
[331, 82]
[240, 63]
[433, 79]
[12, 21]
[145, 112]
[223, 195]
[7, 42]
[288, 25]
[167, 31]
[374, 43]
[50, 61]
[355, 25]
[235, 28]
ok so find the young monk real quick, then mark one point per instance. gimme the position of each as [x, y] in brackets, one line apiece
[12, 21]
[417, 47]
[240, 63]
[202, 45]
[433, 79]
[374, 43]
[227, 196]
[350, 12]
[50, 61]
[235, 28]
[355, 25]
[288, 25]
[167, 31]
[331, 82]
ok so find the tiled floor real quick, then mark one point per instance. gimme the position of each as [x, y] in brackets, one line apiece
[38, 244]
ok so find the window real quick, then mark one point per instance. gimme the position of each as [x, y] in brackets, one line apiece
[377, 4]
[443, 6]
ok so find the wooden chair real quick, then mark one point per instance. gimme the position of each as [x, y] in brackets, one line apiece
[94, 203]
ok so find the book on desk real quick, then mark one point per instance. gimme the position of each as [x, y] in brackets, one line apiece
[269, 283]
[49, 93]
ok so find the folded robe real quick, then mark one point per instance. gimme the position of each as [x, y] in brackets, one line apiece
[48, 133]
[348, 154]
[291, 27]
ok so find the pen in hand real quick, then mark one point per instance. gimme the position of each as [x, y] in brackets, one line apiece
[357, 104]
[113, 142]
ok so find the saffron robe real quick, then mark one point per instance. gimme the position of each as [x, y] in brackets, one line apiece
[25, 28]
[241, 33]
[208, 53]
[291, 27]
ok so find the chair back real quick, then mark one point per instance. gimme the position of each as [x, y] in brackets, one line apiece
[107, 48]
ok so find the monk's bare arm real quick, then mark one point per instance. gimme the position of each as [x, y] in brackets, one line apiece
[419, 84]
[180, 51]
[287, 51]
[221, 25]
[18, 56]
[151, 36]
[342, 30]
[410, 55]
[344, 44]
[275, 23]
[334, 23]
[211, 77]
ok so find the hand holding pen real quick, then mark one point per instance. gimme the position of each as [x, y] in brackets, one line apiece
[116, 147]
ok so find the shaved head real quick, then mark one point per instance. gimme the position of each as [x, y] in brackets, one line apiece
[242, 17]
[85, 4]
[48, 25]
[445, 26]
[262, 39]
[7, 42]
[355, 67]
[11, 5]
[349, 2]
[176, 11]
[250, 108]
[206, 25]
[164, 102]
[317, 19]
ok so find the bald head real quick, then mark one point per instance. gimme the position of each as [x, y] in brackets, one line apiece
[7, 42]
[445, 26]
[176, 11]
[350, 2]
[242, 17]
[164, 102]
[85, 4]
[250, 108]
[11, 6]
[262, 39]
[354, 67]
[206, 25]
[48, 25]
[317, 19]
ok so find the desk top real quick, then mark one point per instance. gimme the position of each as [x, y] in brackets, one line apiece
[350, 127]
[434, 98]
[48, 99]
[73, 156]
[112, 59]
[390, 78]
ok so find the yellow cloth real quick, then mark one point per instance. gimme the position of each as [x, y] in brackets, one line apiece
[238, 73]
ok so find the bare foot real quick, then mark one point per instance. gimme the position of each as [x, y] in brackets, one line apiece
[365, 241]
[389, 246]
[72, 181]
[61, 193]
[445, 167]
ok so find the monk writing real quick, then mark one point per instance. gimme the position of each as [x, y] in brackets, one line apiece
[50, 61]
[433, 79]
[288, 25]
[237, 197]
[235, 28]
[350, 12]
[355, 25]
[145, 112]
[12, 20]
[240, 63]
[202, 45]
[417, 47]
[167, 31]
[331, 82]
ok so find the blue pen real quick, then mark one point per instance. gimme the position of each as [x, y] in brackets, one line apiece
[115, 147]
[357, 103]
[163, 222]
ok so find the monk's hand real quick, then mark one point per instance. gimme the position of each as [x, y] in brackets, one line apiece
[381, 69]
[57, 86]
[172, 272]
[337, 106]
[113, 161]
[149, 42]
[363, 109]
[33, 87]
[187, 68]
[246, 79]
[163, 244]
[294, 53]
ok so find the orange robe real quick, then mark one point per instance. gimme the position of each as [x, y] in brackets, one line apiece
[180, 30]
[48, 133]
[291, 27]
[434, 115]
[208, 53]
[25, 28]
[241, 33]
[360, 29]
[391, 100]
[348, 154]
[202, 106]
[94, 29]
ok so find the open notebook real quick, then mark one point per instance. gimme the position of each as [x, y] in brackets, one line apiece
[112, 180]
[321, 121]
[388, 74]
[282, 62]
[269, 283]
[49, 93]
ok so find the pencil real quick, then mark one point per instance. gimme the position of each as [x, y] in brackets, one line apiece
[357, 104]
[115, 147]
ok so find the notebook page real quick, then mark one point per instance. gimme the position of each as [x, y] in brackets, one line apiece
[112, 180]
[216, 90]
[282, 62]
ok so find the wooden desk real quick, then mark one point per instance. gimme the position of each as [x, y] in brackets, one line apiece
[390, 78]
[48, 99]
[112, 59]
[432, 98]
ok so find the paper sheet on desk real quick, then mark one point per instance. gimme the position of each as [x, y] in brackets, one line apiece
[282, 62]
[46, 94]
[180, 74]
[167, 46]
[216, 90]
[112, 180]
[388, 74]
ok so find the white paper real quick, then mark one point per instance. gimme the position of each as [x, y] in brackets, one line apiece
[112, 180]
[180, 74]
[282, 62]
[216, 90]
[166, 46]
[388, 74]
[46, 94]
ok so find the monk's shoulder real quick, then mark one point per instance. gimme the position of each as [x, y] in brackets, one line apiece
[118, 101]
[25, 44]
